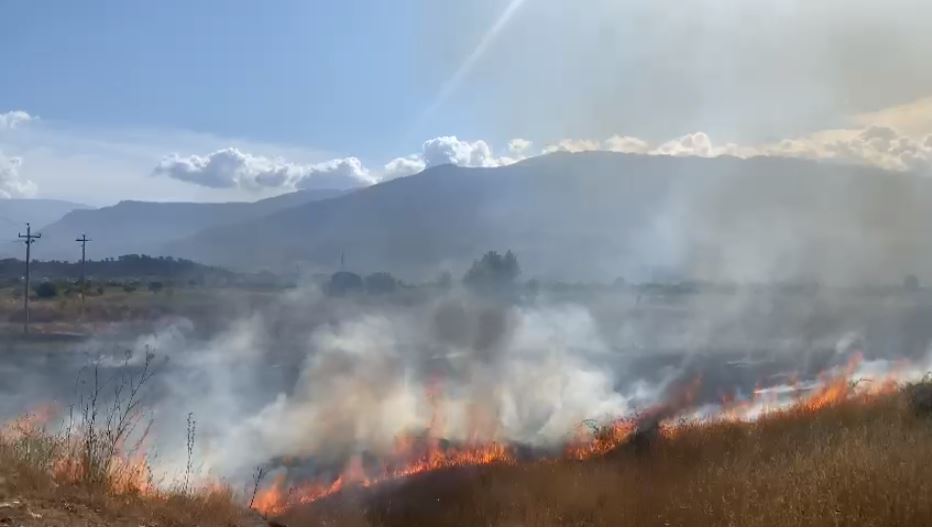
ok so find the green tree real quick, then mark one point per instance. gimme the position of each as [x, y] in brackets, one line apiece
[493, 270]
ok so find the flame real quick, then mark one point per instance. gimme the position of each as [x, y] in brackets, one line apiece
[31, 423]
[128, 471]
[276, 498]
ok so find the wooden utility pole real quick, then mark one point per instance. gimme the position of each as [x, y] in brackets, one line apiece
[29, 239]
[83, 240]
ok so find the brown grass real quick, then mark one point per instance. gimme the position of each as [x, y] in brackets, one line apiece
[32, 492]
[854, 463]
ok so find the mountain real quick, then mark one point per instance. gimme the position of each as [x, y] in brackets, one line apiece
[15, 212]
[600, 215]
[145, 227]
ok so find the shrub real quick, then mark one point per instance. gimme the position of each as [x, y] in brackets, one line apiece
[46, 290]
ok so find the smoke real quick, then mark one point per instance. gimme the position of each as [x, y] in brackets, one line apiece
[463, 368]
[321, 380]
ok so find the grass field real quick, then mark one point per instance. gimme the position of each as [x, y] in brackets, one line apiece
[857, 462]
[854, 463]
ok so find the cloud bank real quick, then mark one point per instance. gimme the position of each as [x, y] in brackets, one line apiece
[878, 146]
[898, 138]
[445, 150]
[232, 168]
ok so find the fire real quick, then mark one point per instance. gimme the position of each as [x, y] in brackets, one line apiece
[411, 455]
[601, 440]
[834, 388]
[126, 471]
[277, 498]
[30, 424]
[591, 440]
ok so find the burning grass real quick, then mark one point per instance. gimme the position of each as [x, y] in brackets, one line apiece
[841, 455]
[844, 450]
[94, 470]
[44, 481]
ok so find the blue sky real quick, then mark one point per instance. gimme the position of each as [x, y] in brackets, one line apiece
[139, 96]
[298, 72]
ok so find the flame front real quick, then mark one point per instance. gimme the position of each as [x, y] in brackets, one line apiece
[834, 386]
[277, 497]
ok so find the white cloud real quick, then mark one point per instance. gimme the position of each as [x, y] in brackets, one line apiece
[573, 145]
[875, 145]
[449, 149]
[445, 150]
[342, 173]
[12, 184]
[232, 168]
[518, 146]
[404, 166]
[695, 144]
[628, 144]
[13, 119]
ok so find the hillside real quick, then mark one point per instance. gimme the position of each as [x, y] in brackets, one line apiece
[15, 212]
[602, 215]
[144, 227]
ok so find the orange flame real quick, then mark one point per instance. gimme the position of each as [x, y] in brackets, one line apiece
[276, 498]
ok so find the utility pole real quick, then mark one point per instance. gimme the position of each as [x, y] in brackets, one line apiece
[29, 239]
[83, 240]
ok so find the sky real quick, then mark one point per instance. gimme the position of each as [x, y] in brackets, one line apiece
[102, 101]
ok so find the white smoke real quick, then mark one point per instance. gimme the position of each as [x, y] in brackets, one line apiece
[468, 369]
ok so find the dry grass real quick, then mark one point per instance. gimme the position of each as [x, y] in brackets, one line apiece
[33, 490]
[93, 472]
[854, 463]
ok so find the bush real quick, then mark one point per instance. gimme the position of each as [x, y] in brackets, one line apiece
[155, 286]
[46, 290]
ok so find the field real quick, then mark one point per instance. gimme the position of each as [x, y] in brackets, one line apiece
[853, 463]
[105, 305]
[859, 460]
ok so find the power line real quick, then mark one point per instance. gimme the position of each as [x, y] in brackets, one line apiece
[29, 239]
[83, 240]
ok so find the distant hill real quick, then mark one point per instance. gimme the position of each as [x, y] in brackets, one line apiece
[603, 215]
[145, 227]
[15, 212]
